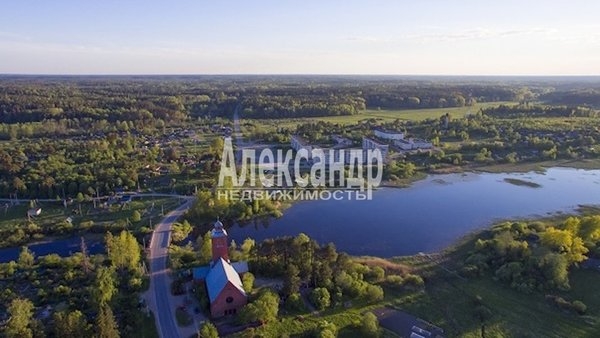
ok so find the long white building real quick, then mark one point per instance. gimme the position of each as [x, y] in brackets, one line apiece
[388, 134]
[413, 144]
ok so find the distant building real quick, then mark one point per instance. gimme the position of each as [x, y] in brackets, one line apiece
[388, 134]
[34, 212]
[413, 144]
[341, 142]
[298, 143]
[223, 283]
[369, 144]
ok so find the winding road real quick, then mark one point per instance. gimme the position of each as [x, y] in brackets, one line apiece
[159, 295]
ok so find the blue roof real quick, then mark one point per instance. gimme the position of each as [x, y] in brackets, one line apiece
[200, 272]
[240, 267]
[218, 277]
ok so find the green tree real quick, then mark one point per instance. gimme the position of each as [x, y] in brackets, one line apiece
[205, 244]
[123, 250]
[369, 325]
[263, 309]
[327, 330]
[216, 147]
[106, 325]
[247, 247]
[105, 285]
[294, 302]
[248, 281]
[21, 319]
[565, 242]
[136, 216]
[26, 258]
[291, 280]
[373, 293]
[590, 229]
[555, 267]
[208, 330]
[181, 231]
[320, 298]
[71, 324]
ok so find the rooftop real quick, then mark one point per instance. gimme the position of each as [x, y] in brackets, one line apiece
[218, 277]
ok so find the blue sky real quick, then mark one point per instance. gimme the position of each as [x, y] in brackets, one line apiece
[301, 37]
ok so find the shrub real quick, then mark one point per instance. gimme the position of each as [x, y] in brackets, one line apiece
[320, 298]
[369, 325]
[294, 303]
[413, 280]
[579, 307]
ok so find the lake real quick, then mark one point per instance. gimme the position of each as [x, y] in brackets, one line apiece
[432, 213]
[63, 247]
[426, 217]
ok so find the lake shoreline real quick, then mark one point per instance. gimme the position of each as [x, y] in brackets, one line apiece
[499, 168]
[432, 213]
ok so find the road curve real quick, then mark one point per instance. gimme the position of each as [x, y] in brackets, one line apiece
[160, 282]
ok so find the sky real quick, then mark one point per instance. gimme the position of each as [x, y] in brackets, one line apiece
[395, 37]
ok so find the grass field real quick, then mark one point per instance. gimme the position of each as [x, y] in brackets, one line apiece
[514, 314]
[384, 115]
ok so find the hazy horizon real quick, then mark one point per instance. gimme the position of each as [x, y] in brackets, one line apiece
[399, 38]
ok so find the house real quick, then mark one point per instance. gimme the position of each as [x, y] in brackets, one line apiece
[388, 134]
[223, 283]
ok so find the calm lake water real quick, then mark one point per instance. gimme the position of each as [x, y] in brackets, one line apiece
[426, 217]
[431, 214]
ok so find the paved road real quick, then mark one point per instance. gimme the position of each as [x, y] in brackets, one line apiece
[160, 283]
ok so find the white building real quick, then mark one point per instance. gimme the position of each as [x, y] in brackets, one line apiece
[388, 134]
[371, 144]
[413, 144]
[299, 143]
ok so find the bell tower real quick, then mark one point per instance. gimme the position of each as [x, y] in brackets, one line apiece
[220, 247]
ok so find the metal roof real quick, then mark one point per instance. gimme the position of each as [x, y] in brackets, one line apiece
[219, 275]
[200, 272]
[240, 267]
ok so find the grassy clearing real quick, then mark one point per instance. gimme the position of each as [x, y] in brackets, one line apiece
[147, 328]
[449, 302]
[387, 265]
[383, 115]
